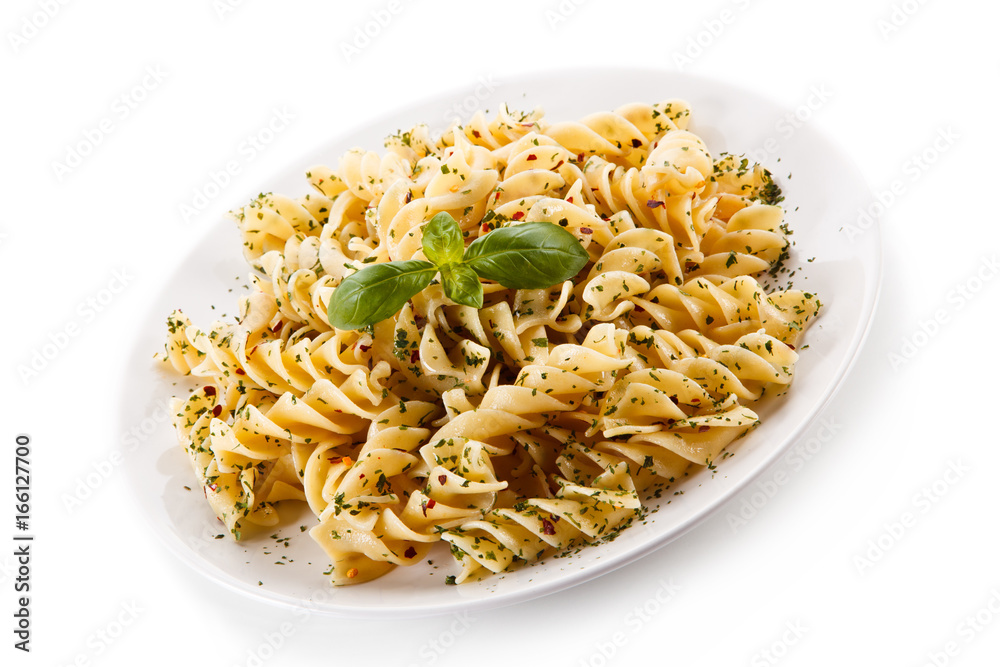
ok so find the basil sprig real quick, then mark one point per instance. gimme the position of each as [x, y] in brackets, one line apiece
[533, 255]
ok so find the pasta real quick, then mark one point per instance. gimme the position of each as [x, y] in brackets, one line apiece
[537, 423]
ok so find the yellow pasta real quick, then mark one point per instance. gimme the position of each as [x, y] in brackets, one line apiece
[541, 421]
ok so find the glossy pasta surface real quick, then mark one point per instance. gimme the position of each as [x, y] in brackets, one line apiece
[538, 423]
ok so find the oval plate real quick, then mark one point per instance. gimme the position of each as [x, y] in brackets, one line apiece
[822, 200]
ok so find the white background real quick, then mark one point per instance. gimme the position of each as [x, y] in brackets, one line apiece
[824, 573]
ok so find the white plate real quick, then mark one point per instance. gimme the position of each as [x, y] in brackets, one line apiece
[822, 198]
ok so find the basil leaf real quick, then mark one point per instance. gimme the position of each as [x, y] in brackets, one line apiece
[529, 256]
[377, 292]
[461, 285]
[442, 240]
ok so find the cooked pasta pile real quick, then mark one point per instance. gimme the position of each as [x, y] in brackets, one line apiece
[538, 423]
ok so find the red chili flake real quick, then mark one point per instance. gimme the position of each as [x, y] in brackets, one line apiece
[486, 227]
[548, 528]
[252, 350]
[442, 479]
[410, 552]
[791, 347]
[240, 371]
[427, 504]
[517, 216]
[531, 157]
[213, 486]
[703, 428]
[334, 459]
[561, 162]
[361, 475]
[210, 391]
[497, 197]
[415, 356]
[364, 348]
[586, 230]
[217, 410]
[276, 328]
[696, 400]
[570, 200]
[408, 198]
[653, 203]
[476, 134]
[579, 157]
[636, 143]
